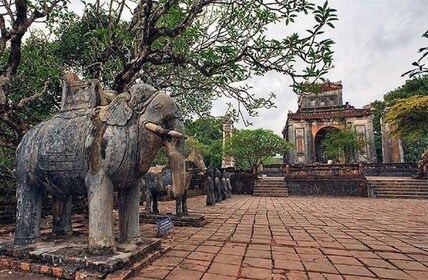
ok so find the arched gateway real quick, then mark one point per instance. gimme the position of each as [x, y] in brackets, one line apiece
[320, 155]
[317, 112]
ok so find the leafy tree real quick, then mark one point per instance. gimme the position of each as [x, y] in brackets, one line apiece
[252, 147]
[420, 69]
[209, 133]
[195, 50]
[409, 117]
[342, 145]
[34, 96]
[198, 50]
[412, 147]
[15, 20]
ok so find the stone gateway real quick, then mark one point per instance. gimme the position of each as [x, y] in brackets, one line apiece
[319, 112]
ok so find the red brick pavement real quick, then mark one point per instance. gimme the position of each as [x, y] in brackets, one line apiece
[293, 238]
[299, 238]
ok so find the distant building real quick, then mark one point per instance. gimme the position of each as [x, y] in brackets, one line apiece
[319, 112]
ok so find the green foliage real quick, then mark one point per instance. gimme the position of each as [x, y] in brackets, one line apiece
[412, 147]
[209, 133]
[342, 145]
[197, 50]
[415, 86]
[409, 117]
[252, 147]
[7, 177]
[420, 69]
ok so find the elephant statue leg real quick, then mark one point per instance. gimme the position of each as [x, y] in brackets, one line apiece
[100, 200]
[155, 204]
[29, 207]
[61, 210]
[184, 203]
[129, 218]
[148, 193]
[178, 209]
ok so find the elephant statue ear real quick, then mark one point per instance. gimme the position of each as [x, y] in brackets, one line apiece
[118, 111]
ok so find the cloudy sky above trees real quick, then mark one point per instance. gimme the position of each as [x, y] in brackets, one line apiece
[376, 41]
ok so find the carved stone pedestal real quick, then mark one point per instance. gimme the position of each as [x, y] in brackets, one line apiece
[193, 220]
[69, 258]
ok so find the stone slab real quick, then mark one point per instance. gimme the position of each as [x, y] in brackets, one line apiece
[70, 256]
[193, 220]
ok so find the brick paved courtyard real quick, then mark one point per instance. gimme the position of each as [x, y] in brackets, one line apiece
[299, 238]
[294, 238]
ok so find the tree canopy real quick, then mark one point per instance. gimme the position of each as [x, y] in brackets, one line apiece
[209, 133]
[412, 146]
[409, 117]
[252, 147]
[196, 50]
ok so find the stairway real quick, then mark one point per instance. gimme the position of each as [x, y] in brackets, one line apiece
[397, 187]
[270, 186]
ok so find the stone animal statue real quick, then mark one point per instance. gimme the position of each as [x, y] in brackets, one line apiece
[209, 183]
[217, 186]
[223, 186]
[229, 186]
[96, 150]
[157, 181]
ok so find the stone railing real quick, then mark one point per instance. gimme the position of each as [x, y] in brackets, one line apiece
[367, 169]
[323, 169]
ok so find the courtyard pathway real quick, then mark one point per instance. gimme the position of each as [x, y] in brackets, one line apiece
[291, 238]
[298, 238]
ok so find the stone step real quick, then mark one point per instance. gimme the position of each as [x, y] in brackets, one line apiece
[271, 194]
[270, 183]
[271, 191]
[401, 188]
[425, 184]
[402, 196]
[399, 192]
[271, 186]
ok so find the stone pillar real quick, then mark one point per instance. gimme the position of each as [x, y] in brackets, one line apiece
[392, 150]
[227, 161]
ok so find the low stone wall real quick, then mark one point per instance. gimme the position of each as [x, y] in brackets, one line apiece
[390, 169]
[328, 185]
[326, 179]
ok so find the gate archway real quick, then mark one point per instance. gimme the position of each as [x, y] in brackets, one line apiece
[320, 155]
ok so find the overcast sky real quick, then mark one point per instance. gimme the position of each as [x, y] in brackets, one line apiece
[376, 41]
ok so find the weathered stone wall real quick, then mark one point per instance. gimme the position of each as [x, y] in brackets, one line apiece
[328, 185]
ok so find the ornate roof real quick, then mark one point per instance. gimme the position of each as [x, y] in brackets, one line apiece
[317, 115]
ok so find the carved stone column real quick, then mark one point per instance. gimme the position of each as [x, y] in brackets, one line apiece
[227, 161]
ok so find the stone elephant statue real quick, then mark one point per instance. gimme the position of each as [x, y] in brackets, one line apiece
[157, 181]
[96, 150]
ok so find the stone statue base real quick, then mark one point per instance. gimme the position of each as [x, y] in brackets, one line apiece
[69, 258]
[193, 220]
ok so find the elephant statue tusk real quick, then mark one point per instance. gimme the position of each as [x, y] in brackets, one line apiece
[163, 131]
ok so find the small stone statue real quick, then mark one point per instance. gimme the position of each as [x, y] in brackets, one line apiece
[229, 186]
[210, 187]
[223, 186]
[217, 184]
